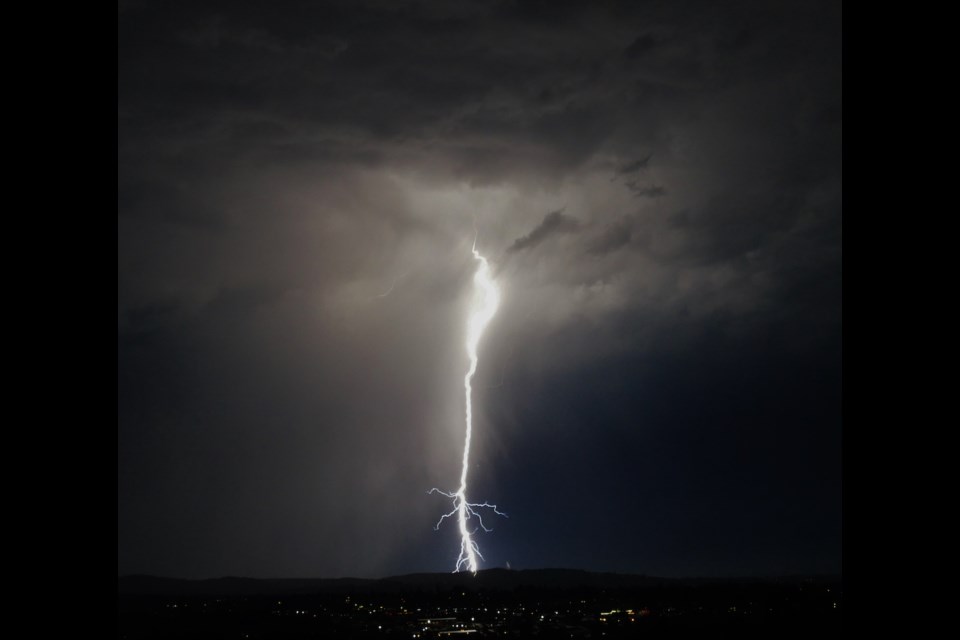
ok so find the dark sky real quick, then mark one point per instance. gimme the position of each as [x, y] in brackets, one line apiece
[658, 186]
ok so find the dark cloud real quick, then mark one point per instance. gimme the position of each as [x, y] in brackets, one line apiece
[641, 191]
[636, 165]
[640, 47]
[613, 237]
[299, 187]
[553, 223]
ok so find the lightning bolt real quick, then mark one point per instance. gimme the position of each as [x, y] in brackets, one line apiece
[486, 302]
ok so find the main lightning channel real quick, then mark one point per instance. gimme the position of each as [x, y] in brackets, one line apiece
[486, 302]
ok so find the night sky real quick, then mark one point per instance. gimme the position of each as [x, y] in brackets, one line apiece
[658, 187]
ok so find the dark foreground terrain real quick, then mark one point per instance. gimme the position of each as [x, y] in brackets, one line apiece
[494, 603]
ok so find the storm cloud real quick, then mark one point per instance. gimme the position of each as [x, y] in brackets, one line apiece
[553, 223]
[641, 191]
[299, 188]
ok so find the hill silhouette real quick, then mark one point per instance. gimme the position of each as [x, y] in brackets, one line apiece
[486, 580]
